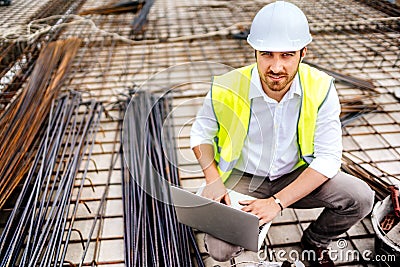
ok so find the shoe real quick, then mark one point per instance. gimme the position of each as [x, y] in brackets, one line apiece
[317, 256]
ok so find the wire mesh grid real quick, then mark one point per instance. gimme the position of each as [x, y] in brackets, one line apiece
[108, 65]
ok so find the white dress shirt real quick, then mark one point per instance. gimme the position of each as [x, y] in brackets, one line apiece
[270, 148]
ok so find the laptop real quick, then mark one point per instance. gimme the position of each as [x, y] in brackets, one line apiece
[228, 223]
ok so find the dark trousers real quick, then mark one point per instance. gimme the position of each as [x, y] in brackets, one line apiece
[346, 200]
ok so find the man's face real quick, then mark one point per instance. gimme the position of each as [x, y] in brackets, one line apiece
[277, 69]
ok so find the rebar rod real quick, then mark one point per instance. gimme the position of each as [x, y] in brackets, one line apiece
[98, 220]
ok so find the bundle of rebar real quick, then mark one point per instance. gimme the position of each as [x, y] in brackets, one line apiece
[17, 56]
[378, 184]
[357, 82]
[117, 8]
[22, 122]
[153, 236]
[355, 107]
[140, 21]
[39, 228]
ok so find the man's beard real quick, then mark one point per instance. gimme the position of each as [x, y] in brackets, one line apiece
[278, 86]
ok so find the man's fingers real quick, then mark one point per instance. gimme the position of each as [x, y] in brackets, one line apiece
[245, 202]
[247, 209]
[227, 199]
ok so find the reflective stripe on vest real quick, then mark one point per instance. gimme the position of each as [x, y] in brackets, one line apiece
[232, 107]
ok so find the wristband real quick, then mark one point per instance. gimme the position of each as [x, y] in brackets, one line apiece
[278, 201]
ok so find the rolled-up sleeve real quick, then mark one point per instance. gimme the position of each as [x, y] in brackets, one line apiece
[328, 137]
[205, 127]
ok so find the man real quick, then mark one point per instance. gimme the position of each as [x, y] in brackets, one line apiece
[272, 130]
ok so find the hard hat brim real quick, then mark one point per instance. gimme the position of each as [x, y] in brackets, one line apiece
[274, 47]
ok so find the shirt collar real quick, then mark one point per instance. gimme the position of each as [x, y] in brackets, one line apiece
[257, 91]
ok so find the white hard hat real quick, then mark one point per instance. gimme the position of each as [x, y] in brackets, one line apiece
[279, 27]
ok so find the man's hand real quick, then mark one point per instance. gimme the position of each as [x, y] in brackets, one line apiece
[216, 191]
[215, 188]
[265, 209]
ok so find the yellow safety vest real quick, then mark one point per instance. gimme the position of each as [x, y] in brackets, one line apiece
[232, 106]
